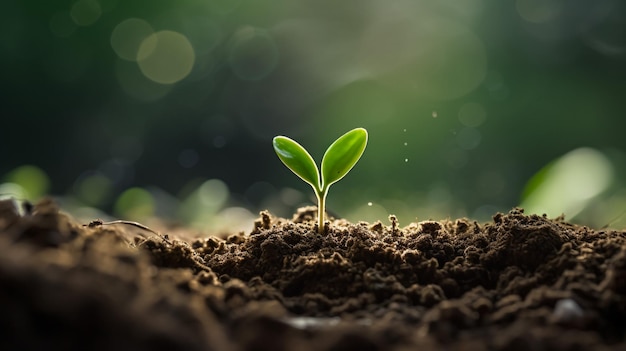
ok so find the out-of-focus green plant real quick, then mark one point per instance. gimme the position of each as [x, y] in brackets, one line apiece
[569, 184]
[338, 160]
[30, 181]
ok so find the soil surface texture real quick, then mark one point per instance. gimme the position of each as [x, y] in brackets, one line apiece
[519, 282]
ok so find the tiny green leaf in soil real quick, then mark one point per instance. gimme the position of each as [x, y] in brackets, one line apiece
[338, 160]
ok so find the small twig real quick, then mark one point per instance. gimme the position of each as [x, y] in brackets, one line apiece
[99, 222]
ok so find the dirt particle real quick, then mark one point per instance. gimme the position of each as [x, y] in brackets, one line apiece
[430, 227]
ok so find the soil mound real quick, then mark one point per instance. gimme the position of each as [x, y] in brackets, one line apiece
[519, 282]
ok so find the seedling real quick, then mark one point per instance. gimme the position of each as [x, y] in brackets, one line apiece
[338, 160]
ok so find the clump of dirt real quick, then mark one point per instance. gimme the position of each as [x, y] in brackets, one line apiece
[518, 282]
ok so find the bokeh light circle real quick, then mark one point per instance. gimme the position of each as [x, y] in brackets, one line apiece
[128, 35]
[204, 34]
[33, 181]
[254, 54]
[134, 83]
[135, 204]
[86, 12]
[166, 57]
[472, 114]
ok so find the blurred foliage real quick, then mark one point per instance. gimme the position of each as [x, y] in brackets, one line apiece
[568, 184]
[464, 100]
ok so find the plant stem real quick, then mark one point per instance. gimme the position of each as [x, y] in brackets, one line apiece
[321, 210]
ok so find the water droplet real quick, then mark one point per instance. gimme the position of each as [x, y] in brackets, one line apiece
[369, 203]
[405, 143]
[406, 160]
[435, 114]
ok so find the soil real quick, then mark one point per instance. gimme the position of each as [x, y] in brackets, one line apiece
[520, 282]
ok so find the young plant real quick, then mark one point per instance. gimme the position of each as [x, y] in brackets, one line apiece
[338, 160]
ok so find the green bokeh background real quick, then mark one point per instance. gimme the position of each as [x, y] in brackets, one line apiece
[464, 102]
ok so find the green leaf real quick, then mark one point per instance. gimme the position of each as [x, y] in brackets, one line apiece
[342, 155]
[297, 159]
[569, 184]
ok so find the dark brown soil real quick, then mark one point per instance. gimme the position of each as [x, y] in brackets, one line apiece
[518, 283]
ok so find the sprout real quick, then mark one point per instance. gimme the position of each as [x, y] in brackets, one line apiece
[338, 160]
